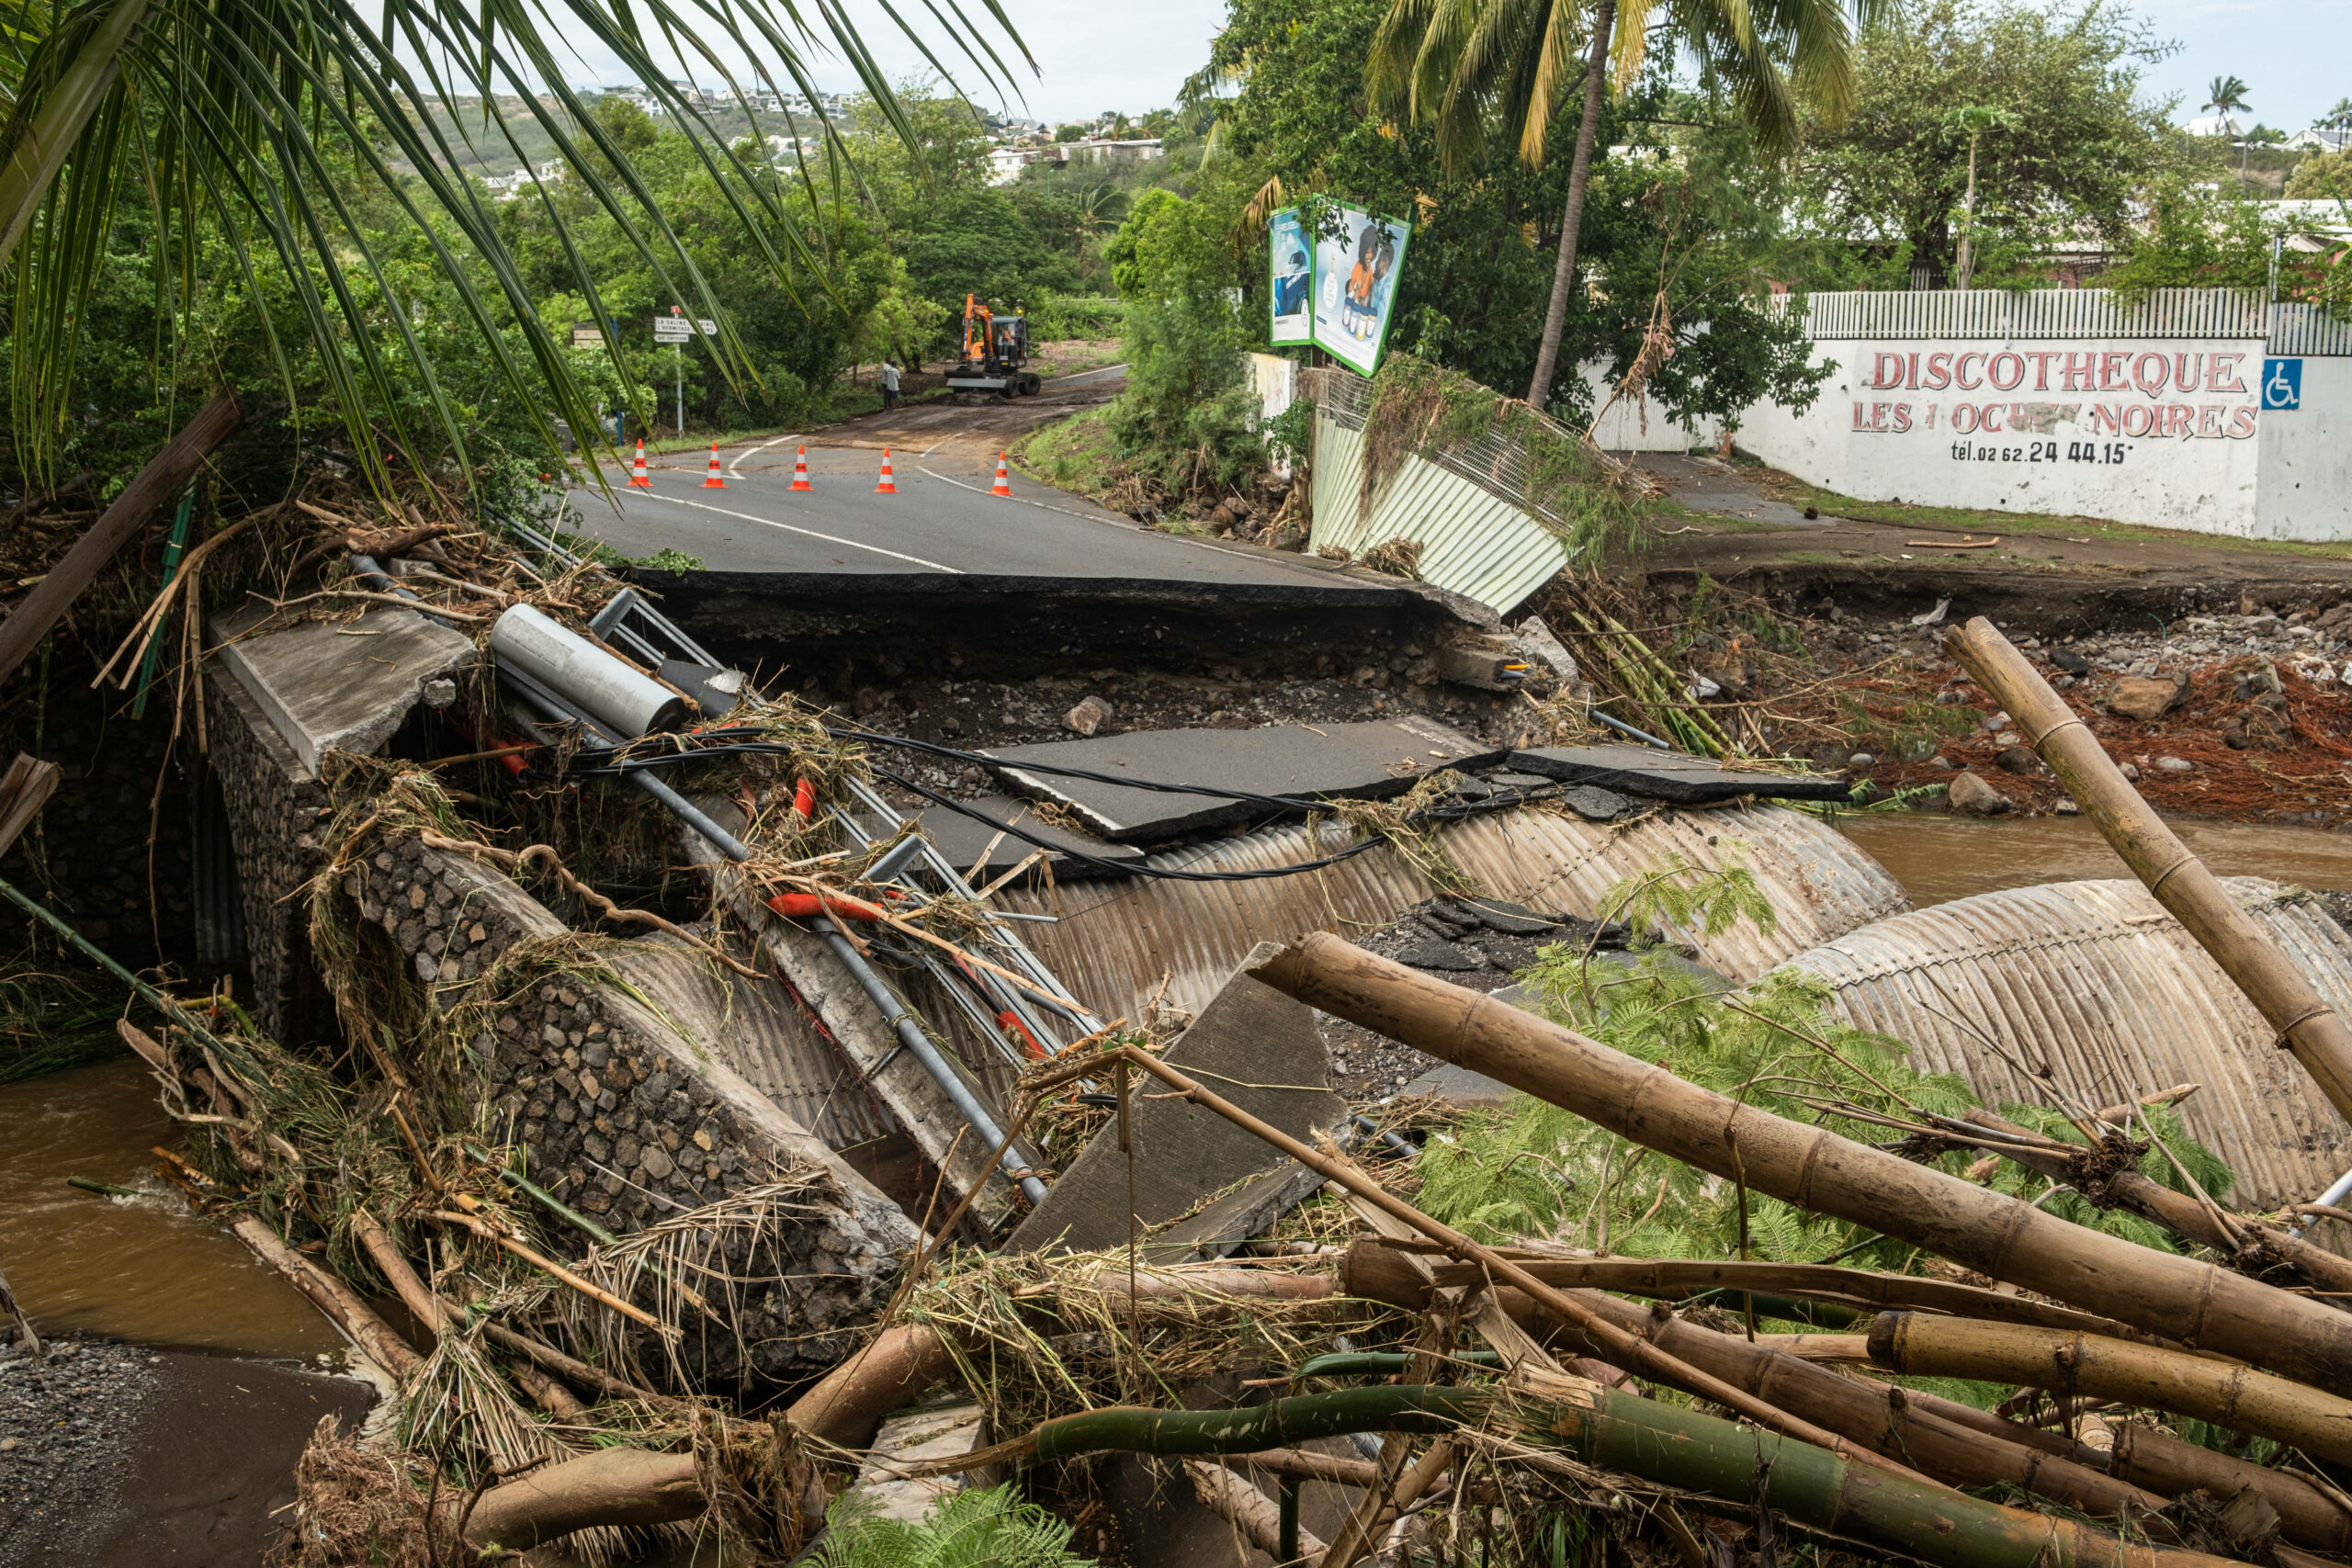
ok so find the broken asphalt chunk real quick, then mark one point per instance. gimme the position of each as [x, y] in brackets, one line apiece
[1359, 761]
[1670, 775]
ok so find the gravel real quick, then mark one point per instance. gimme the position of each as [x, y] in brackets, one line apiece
[1478, 945]
[69, 1421]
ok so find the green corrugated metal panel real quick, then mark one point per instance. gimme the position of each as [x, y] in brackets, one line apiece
[1473, 541]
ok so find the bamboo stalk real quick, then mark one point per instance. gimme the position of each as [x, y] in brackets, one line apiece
[163, 474]
[2197, 1304]
[2163, 1464]
[1674, 1278]
[2181, 883]
[1862, 1410]
[1660, 1443]
[588, 1288]
[2234, 1396]
[2181, 1213]
[354, 1316]
[1613, 1343]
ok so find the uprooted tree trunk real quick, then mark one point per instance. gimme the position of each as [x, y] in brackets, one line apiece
[1993, 1234]
[1660, 1443]
[611, 1486]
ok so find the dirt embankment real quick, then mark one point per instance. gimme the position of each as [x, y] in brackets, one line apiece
[2235, 717]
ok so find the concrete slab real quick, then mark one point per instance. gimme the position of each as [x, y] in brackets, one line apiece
[1712, 485]
[1360, 762]
[1250, 1209]
[1653, 774]
[330, 684]
[967, 844]
[1253, 1045]
[917, 1437]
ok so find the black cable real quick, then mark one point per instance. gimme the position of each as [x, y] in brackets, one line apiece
[619, 760]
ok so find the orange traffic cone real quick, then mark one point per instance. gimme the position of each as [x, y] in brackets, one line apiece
[801, 470]
[886, 487]
[640, 480]
[1003, 485]
[712, 479]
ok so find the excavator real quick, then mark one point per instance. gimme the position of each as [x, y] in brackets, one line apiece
[994, 354]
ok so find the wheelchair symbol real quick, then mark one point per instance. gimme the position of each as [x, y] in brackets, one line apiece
[2283, 383]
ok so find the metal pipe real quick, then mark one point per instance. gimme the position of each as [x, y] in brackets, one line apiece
[588, 678]
[1621, 726]
[895, 1012]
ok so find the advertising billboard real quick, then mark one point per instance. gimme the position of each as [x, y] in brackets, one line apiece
[1293, 278]
[1356, 271]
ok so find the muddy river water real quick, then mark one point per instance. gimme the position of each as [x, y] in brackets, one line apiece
[146, 1271]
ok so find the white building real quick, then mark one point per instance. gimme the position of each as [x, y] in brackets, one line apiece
[2315, 139]
[2204, 408]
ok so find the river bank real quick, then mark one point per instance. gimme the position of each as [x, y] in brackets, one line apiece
[181, 1379]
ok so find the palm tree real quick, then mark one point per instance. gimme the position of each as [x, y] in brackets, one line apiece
[1973, 121]
[1476, 69]
[247, 118]
[2339, 117]
[2226, 97]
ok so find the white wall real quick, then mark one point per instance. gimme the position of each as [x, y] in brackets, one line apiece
[2307, 458]
[2167, 432]
[1619, 429]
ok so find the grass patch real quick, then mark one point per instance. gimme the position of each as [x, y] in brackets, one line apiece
[2009, 524]
[1077, 453]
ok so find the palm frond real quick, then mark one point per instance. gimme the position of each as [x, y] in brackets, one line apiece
[249, 119]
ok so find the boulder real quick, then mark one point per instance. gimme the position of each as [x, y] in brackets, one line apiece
[1088, 716]
[2018, 759]
[1974, 796]
[2146, 696]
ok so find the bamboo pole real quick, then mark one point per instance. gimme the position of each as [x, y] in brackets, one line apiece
[165, 472]
[1660, 1443]
[2196, 1304]
[1867, 1412]
[2084, 1364]
[355, 1317]
[2253, 1244]
[2163, 1464]
[1676, 1279]
[2308, 1026]
[1613, 1343]
[588, 1288]
[848, 1403]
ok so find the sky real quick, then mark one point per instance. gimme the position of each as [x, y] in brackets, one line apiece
[2295, 55]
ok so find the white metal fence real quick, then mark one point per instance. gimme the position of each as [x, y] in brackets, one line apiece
[1999, 313]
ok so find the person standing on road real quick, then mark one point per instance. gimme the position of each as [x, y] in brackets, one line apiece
[889, 386]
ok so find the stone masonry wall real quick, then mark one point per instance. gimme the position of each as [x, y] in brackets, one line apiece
[275, 809]
[630, 1121]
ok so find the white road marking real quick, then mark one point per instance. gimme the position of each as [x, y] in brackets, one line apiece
[1103, 370]
[808, 533]
[937, 445]
[735, 467]
[1115, 520]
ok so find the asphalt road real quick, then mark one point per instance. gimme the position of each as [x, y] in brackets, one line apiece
[942, 520]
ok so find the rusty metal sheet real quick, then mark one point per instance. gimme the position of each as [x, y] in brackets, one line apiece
[1116, 946]
[2095, 984]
